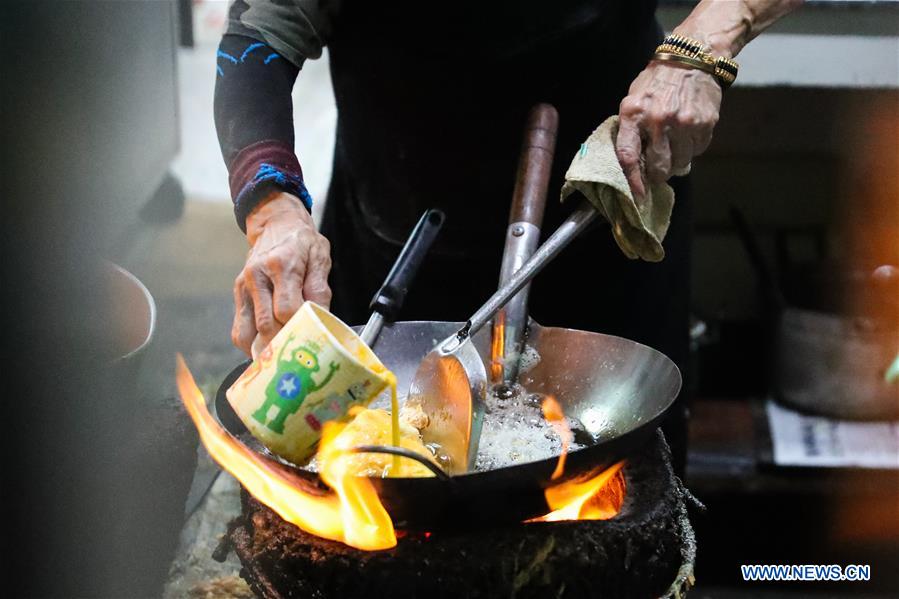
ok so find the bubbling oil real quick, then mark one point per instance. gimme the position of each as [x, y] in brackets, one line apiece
[514, 431]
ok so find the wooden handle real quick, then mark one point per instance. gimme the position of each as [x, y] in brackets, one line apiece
[535, 165]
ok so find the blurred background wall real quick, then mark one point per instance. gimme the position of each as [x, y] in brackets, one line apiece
[89, 118]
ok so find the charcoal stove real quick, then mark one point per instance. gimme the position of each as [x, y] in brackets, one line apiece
[647, 550]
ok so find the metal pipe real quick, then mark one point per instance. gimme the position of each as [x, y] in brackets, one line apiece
[372, 328]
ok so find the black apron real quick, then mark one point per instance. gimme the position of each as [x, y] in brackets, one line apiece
[431, 109]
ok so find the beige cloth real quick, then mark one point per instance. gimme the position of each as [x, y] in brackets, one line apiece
[639, 227]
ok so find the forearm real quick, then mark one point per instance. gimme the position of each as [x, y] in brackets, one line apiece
[254, 121]
[266, 44]
[726, 26]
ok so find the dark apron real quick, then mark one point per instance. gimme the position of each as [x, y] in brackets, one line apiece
[430, 114]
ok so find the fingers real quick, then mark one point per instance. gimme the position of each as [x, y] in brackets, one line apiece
[288, 295]
[681, 150]
[668, 115]
[288, 264]
[702, 115]
[243, 329]
[628, 148]
[658, 154]
[702, 137]
[260, 287]
[315, 287]
[258, 347]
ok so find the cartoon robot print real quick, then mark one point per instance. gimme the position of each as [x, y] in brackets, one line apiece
[291, 384]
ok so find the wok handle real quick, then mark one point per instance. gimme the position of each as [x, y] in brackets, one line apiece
[522, 238]
[386, 303]
[535, 166]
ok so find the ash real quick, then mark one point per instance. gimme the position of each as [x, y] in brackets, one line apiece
[515, 432]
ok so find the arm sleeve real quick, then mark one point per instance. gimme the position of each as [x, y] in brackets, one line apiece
[296, 29]
[254, 120]
[257, 64]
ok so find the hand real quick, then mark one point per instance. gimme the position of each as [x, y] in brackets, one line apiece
[666, 119]
[288, 263]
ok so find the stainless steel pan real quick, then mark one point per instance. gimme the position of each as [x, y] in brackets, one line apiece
[618, 389]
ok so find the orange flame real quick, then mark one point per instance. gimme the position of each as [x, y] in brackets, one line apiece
[553, 413]
[498, 347]
[353, 514]
[597, 498]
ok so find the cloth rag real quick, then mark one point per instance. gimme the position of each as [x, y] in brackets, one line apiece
[638, 225]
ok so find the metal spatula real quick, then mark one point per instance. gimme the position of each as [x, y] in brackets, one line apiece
[451, 382]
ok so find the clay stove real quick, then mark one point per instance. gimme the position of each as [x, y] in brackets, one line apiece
[646, 550]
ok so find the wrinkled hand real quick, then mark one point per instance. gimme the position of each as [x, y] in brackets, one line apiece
[288, 263]
[666, 119]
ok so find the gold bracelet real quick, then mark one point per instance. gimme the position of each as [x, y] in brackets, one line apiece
[685, 46]
[690, 52]
[726, 71]
[686, 61]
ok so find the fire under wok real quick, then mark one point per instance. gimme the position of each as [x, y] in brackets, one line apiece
[618, 389]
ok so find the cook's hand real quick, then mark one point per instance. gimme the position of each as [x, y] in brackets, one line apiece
[666, 119]
[288, 263]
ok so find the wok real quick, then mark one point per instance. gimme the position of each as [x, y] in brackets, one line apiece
[618, 389]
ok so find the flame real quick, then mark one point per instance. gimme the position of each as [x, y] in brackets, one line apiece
[553, 413]
[498, 347]
[597, 498]
[352, 514]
